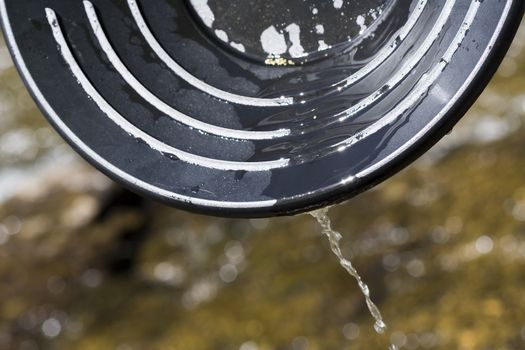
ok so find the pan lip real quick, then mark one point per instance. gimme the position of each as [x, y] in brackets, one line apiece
[418, 144]
[80, 146]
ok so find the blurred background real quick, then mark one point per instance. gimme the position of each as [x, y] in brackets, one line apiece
[87, 265]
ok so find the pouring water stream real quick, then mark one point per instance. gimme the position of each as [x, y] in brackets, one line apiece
[334, 238]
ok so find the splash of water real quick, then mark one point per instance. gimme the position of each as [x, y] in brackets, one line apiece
[334, 238]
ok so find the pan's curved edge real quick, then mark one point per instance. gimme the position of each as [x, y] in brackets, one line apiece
[200, 206]
[458, 106]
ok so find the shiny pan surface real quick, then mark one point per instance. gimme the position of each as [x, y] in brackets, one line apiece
[255, 108]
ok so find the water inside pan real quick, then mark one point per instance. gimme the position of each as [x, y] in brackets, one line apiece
[300, 107]
[326, 72]
[288, 32]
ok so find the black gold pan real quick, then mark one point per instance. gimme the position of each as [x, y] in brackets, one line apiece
[255, 108]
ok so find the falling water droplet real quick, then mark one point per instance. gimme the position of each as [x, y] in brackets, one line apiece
[380, 327]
